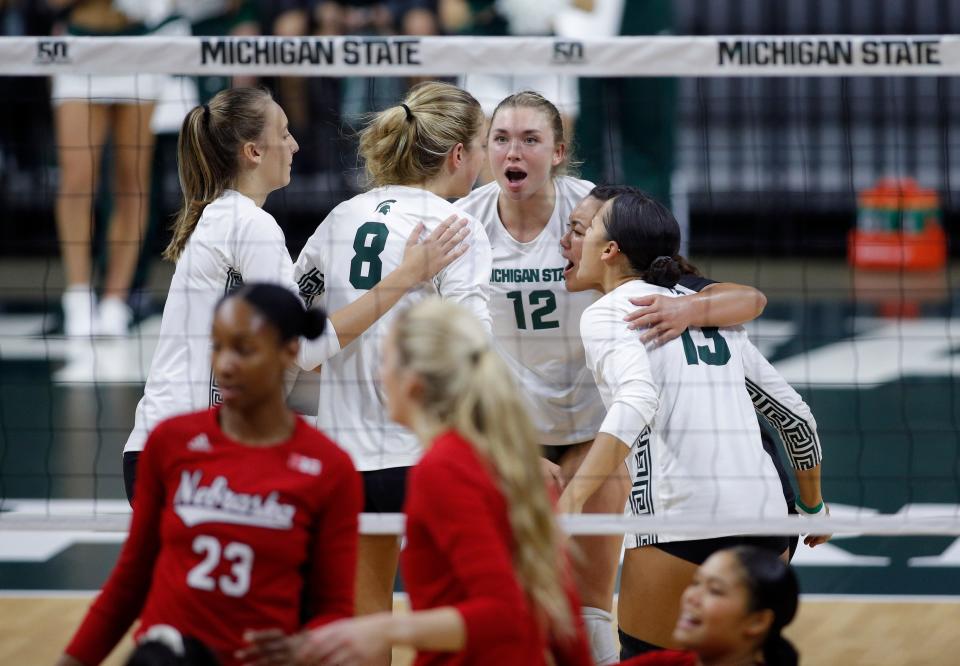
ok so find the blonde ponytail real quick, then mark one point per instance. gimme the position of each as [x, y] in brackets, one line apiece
[470, 389]
[208, 153]
[408, 143]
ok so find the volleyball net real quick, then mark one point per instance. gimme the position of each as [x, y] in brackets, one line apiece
[821, 169]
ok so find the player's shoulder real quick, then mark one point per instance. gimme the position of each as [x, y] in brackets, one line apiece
[180, 429]
[606, 304]
[348, 209]
[450, 450]
[480, 200]
[572, 188]
[450, 459]
[241, 212]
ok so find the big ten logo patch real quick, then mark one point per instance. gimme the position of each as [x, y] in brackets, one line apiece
[51, 51]
[304, 464]
[566, 52]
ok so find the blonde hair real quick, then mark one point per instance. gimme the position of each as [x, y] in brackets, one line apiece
[408, 143]
[468, 387]
[529, 99]
[208, 153]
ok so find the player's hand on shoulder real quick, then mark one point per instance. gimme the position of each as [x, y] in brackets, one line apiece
[425, 257]
[268, 647]
[350, 642]
[664, 317]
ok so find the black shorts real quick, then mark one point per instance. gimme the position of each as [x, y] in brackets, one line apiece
[130, 472]
[698, 550]
[552, 452]
[384, 490]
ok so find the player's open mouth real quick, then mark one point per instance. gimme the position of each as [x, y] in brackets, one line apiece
[688, 621]
[515, 177]
[568, 269]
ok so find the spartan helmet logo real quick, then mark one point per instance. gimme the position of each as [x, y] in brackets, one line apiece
[384, 206]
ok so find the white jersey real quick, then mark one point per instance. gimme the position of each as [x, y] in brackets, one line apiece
[234, 242]
[684, 408]
[535, 318]
[359, 242]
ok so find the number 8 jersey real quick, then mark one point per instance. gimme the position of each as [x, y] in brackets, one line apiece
[360, 242]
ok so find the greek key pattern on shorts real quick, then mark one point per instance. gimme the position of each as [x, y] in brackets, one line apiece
[800, 440]
[641, 494]
[311, 285]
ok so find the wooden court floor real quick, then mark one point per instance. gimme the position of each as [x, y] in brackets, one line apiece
[33, 632]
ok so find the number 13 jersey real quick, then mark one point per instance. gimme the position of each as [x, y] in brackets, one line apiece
[360, 242]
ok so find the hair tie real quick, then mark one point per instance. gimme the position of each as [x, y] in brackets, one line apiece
[206, 112]
[408, 112]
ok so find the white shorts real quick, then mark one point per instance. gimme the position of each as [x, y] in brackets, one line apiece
[119, 89]
[490, 89]
[100, 89]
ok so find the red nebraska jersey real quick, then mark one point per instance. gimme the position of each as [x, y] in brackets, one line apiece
[226, 536]
[460, 553]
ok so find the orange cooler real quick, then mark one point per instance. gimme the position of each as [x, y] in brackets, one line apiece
[898, 227]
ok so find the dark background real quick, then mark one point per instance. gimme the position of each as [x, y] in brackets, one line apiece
[769, 166]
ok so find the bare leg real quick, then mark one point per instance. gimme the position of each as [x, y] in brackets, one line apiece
[377, 557]
[595, 565]
[651, 584]
[81, 131]
[133, 142]
[596, 557]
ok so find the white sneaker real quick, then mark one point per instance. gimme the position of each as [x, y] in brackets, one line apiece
[79, 317]
[114, 317]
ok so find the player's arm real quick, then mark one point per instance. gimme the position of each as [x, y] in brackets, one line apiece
[782, 407]
[617, 356]
[330, 577]
[605, 456]
[461, 524]
[715, 304]
[333, 562]
[125, 592]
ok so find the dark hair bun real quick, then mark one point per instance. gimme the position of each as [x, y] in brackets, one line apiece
[314, 323]
[283, 309]
[664, 271]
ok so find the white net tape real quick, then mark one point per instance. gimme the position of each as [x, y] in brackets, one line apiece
[114, 516]
[799, 55]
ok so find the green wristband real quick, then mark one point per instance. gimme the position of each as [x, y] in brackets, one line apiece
[809, 509]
